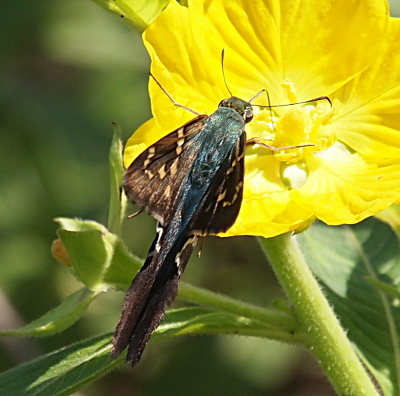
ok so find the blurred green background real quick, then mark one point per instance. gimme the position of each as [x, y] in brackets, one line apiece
[67, 70]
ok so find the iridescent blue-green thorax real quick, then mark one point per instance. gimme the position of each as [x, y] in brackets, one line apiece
[242, 107]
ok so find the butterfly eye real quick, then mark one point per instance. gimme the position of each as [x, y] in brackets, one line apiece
[248, 114]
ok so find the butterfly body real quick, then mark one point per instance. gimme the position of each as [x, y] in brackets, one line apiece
[191, 181]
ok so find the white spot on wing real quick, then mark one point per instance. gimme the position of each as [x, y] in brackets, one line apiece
[180, 132]
[221, 196]
[150, 154]
[149, 173]
[162, 172]
[178, 256]
[160, 232]
[174, 167]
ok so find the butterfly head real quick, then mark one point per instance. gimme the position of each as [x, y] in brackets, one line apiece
[242, 107]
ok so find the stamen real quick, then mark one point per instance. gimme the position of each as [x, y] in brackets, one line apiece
[290, 90]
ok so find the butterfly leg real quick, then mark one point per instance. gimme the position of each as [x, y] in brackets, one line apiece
[261, 142]
[171, 98]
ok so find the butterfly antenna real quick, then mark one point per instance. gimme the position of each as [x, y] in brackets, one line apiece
[258, 141]
[303, 102]
[269, 102]
[270, 109]
[223, 71]
[171, 98]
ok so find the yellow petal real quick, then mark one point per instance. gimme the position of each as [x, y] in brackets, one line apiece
[145, 136]
[325, 42]
[180, 66]
[317, 45]
[297, 50]
[369, 118]
[349, 189]
[267, 208]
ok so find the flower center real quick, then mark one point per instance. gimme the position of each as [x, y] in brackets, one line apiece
[295, 133]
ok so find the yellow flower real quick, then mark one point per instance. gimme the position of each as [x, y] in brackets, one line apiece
[296, 50]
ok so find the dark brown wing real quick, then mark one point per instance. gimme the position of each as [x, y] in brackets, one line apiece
[224, 197]
[154, 179]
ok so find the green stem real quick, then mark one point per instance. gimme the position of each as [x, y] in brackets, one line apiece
[248, 330]
[326, 338]
[278, 320]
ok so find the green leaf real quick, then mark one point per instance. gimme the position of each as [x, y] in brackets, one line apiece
[391, 216]
[136, 13]
[283, 322]
[100, 259]
[117, 198]
[383, 286]
[61, 372]
[67, 370]
[344, 259]
[58, 319]
[196, 320]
